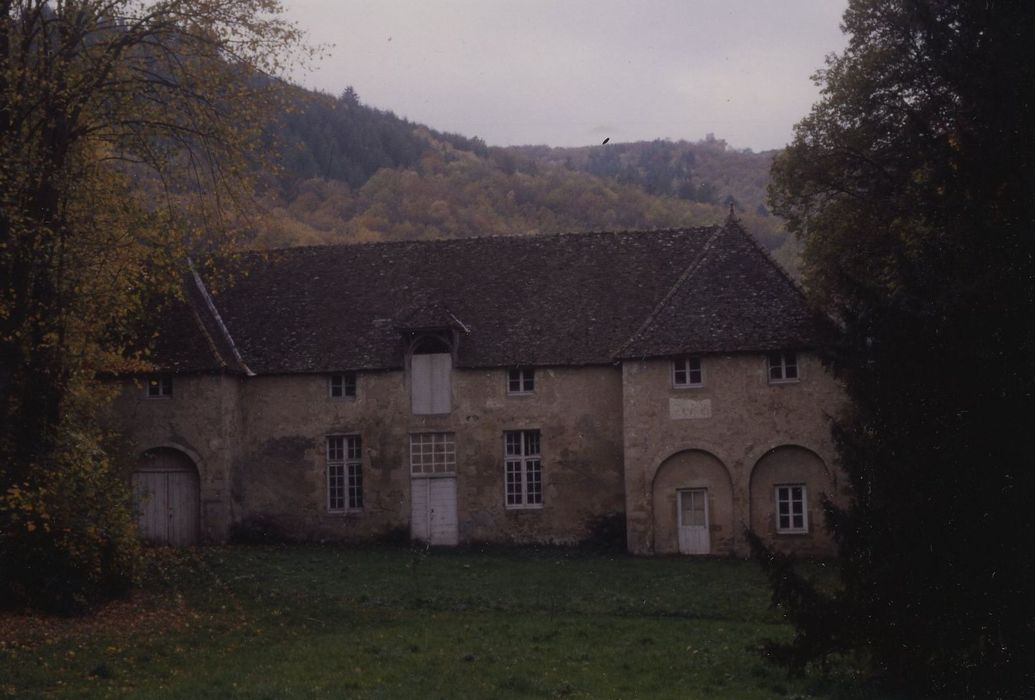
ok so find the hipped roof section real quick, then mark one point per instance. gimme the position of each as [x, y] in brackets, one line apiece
[555, 300]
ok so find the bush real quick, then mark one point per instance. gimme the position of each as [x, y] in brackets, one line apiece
[259, 529]
[68, 539]
[607, 533]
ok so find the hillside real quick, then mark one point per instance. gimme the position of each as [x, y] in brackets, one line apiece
[350, 173]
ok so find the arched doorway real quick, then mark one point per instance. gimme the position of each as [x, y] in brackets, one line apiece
[693, 505]
[167, 497]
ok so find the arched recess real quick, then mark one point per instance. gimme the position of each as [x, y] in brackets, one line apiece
[167, 497]
[700, 472]
[775, 478]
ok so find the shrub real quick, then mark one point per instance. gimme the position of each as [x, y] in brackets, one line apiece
[607, 533]
[259, 529]
[67, 534]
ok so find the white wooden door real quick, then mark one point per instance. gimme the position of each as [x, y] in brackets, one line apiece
[167, 499]
[433, 510]
[693, 521]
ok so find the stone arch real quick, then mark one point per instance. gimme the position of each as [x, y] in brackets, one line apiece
[791, 465]
[431, 344]
[167, 496]
[692, 469]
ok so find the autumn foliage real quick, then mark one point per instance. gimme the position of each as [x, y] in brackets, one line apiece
[96, 97]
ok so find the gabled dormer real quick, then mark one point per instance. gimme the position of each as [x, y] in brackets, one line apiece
[430, 362]
[431, 334]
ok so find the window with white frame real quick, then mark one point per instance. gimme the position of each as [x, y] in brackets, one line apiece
[159, 387]
[342, 386]
[432, 453]
[783, 367]
[521, 380]
[791, 512]
[344, 473]
[687, 372]
[523, 469]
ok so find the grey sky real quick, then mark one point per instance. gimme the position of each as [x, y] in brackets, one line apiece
[569, 73]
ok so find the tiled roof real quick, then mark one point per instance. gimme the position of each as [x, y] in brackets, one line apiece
[572, 299]
[735, 298]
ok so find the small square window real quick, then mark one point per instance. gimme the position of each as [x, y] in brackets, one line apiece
[343, 386]
[521, 380]
[783, 367]
[159, 387]
[687, 372]
[791, 511]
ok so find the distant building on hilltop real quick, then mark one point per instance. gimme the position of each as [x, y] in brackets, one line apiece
[498, 389]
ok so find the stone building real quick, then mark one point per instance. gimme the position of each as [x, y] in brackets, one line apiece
[492, 389]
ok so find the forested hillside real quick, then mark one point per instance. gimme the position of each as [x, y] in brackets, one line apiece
[350, 173]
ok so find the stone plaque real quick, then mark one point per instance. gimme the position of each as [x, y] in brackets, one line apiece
[683, 409]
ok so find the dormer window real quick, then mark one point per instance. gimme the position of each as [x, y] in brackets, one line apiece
[687, 372]
[783, 367]
[521, 380]
[431, 365]
[159, 387]
[342, 386]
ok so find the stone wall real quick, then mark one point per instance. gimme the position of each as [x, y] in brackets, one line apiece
[612, 440]
[202, 419]
[260, 443]
[714, 436]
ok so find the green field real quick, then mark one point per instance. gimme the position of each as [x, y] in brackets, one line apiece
[325, 621]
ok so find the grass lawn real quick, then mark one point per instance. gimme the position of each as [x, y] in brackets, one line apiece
[325, 621]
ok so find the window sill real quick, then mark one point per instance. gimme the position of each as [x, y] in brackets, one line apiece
[784, 381]
[517, 507]
[521, 393]
[347, 511]
[682, 387]
[339, 399]
[792, 533]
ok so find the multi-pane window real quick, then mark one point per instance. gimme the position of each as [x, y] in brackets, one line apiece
[521, 380]
[342, 385]
[783, 366]
[344, 473]
[432, 453]
[686, 371]
[523, 469]
[159, 387]
[791, 514]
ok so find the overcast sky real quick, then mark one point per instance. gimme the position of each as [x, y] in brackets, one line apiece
[570, 73]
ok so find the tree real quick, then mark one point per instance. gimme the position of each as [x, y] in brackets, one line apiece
[125, 127]
[911, 183]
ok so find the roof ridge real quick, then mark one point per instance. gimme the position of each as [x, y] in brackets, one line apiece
[694, 265]
[516, 237]
[210, 304]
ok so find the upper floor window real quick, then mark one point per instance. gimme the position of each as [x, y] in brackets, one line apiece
[344, 473]
[159, 387]
[791, 513]
[783, 367]
[523, 469]
[521, 380]
[342, 386]
[687, 372]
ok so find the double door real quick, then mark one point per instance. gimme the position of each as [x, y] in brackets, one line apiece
[433, 510]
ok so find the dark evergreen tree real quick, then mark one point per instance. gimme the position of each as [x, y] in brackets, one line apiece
[912, 184]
